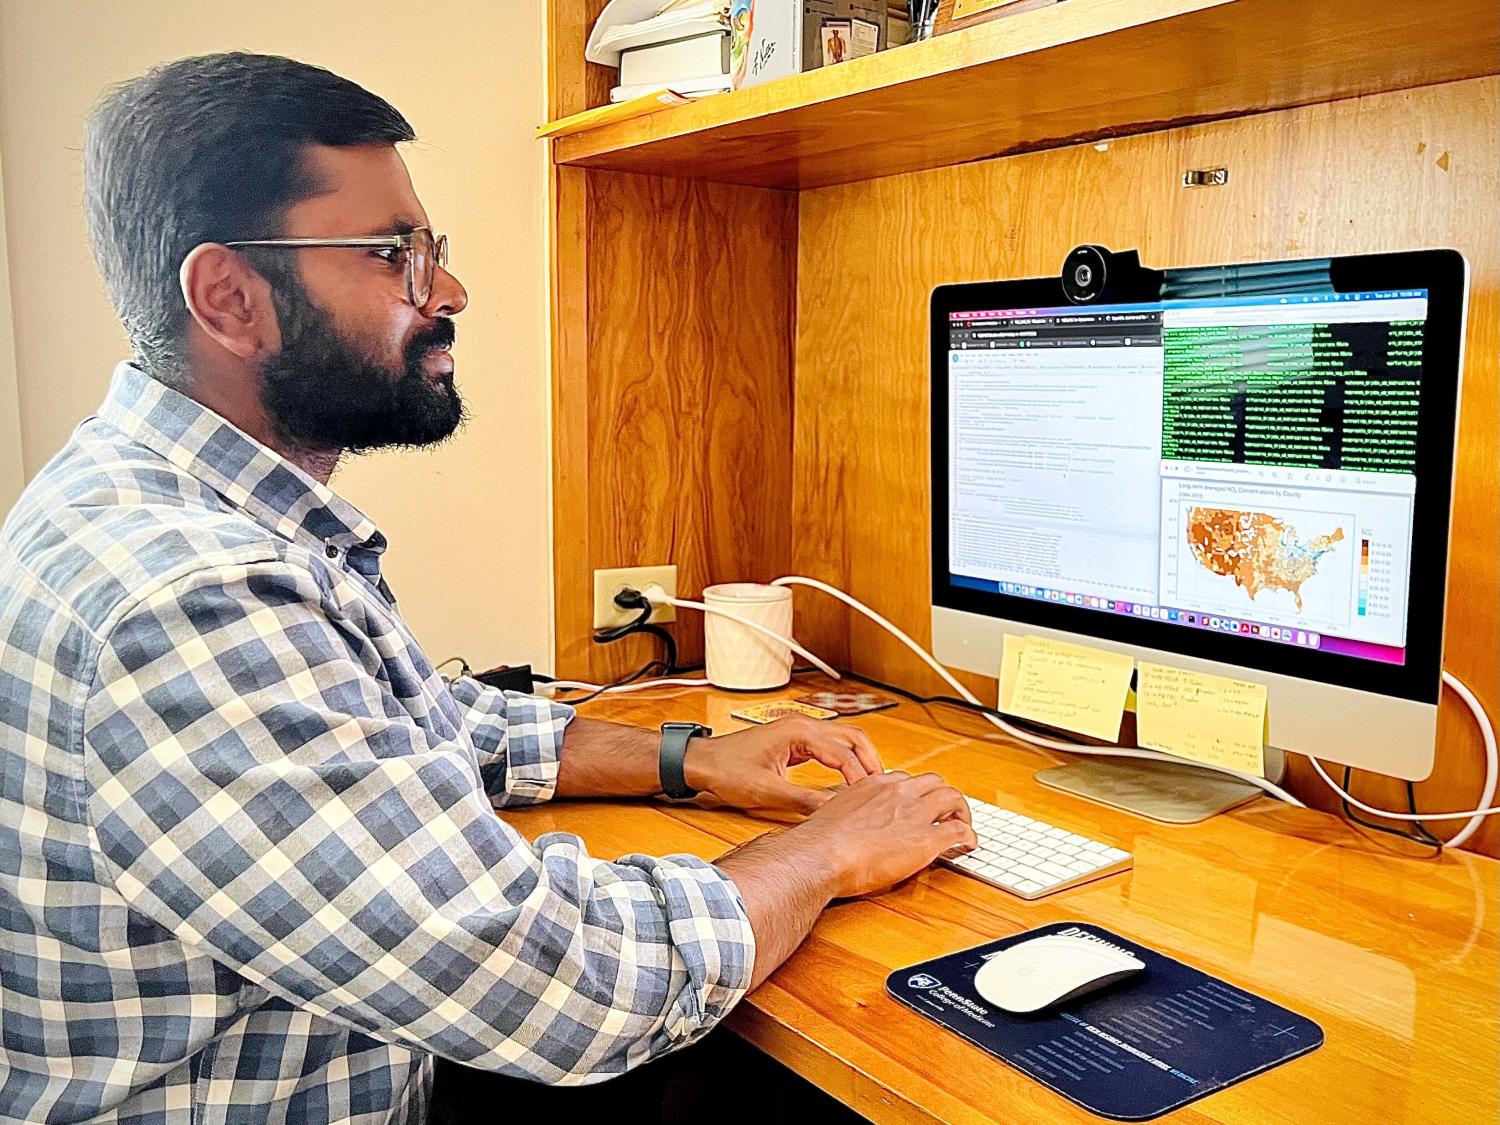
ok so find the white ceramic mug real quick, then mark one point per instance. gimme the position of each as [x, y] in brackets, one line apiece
[738, 657]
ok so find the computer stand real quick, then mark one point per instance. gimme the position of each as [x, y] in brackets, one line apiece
[1161, 791]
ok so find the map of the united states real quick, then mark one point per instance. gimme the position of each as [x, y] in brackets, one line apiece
[1257, 550]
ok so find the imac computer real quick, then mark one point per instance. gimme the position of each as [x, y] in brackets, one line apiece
[1238, 469]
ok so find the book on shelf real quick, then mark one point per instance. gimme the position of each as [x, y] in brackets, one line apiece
[697, 58]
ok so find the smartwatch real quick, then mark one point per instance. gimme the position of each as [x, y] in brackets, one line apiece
[674, 740]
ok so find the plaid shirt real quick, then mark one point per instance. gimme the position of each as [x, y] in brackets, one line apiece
[249, 864]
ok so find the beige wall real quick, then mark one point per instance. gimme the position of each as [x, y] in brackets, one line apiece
[12, 469]
[468, 523]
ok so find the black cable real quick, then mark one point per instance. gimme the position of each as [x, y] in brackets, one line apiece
[614, 633]
[950, 701]
[668, 643]
[640, 625]
[1411, 805]
[1426, 839]
[639, 674]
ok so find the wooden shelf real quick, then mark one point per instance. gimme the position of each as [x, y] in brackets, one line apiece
[1079, 71]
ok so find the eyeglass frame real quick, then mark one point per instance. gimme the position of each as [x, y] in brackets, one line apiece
[403, 241]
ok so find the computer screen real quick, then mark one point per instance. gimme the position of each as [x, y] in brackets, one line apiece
[1220, 475]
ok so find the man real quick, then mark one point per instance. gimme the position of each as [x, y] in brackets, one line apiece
[249, 864]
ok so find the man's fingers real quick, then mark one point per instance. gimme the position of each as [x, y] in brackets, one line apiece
[864, 749]
[944, 802]
[829, 749]
[956, 833]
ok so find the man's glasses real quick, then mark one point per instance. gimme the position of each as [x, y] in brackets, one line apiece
[422, 251]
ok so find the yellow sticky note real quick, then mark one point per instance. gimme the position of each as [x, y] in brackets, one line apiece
[1010, 664]
[1074, 687]
[1210, 719]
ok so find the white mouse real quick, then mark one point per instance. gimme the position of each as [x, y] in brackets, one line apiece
[1035, 974]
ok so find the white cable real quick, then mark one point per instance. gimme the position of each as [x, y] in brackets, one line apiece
[1491, 758]
[1016, 732]
[657, 596]
[639, 685]
[1474, 816]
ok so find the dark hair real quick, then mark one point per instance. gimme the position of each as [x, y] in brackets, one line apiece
[206, 149]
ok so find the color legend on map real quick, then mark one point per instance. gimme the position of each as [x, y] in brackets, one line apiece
[1364, 576]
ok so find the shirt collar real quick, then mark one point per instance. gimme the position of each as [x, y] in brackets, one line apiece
[258, 480]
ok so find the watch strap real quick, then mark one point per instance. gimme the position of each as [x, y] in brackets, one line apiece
[674, 740]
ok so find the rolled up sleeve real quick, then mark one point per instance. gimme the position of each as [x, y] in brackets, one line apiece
[517, 740]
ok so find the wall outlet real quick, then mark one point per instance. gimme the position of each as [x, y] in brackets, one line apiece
[608, 583]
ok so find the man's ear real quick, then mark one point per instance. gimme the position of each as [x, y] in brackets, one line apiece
[229, 301]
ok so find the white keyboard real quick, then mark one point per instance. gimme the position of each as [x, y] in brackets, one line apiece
[1030, 858]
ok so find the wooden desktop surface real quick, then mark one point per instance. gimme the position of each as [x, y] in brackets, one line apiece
[1395, 956]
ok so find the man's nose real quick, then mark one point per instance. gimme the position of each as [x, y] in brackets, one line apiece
[448, 297]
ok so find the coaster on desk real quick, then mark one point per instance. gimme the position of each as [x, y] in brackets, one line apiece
[848, 702]
[770, 712]
[1168, 1036]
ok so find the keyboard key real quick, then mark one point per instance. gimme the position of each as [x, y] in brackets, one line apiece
[1028, 872]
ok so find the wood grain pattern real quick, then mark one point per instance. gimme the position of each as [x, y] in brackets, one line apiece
[671, 314]
[573, 84]
[1402, 170]
[1396, 958]
[674, 428]
[571, 87]
[1084, 69]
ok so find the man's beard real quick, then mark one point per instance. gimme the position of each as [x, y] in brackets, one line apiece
[321, 394]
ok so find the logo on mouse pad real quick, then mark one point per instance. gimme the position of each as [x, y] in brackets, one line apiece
[922, 980]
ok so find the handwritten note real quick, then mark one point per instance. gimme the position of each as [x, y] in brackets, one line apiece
[1074, 687]
[1206, 718]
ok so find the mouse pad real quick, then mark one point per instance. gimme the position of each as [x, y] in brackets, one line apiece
[1167, 1036]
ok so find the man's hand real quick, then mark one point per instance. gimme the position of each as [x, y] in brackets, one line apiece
[873, 834]
[748, 768]
[880, 831]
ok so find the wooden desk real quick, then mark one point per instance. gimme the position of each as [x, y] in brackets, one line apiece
[1395, 957]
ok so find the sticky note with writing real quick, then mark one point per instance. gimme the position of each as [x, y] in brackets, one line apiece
[1071, 686]
[1209, 719]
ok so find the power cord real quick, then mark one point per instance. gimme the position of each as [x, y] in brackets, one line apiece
[1421, 836]
[463, 666]
[634, 599]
